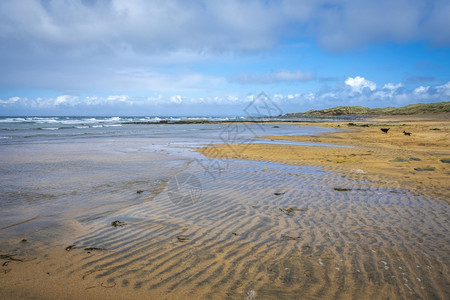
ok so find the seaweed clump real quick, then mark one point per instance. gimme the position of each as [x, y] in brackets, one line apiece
[118, 223]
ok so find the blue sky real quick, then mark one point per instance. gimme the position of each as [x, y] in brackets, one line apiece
[152, 57]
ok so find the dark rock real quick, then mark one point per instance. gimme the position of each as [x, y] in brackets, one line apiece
[342, 189]
[68, 248]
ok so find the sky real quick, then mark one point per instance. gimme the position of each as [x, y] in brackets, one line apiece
[215, 57]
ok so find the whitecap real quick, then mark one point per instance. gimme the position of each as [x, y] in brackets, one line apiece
[112, 119]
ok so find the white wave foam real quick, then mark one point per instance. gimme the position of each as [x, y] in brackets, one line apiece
[112, 119]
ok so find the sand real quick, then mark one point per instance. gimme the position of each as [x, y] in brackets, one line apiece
[278, 222]
[391, 159]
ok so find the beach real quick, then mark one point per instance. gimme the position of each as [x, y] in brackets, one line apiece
[227, 211]
[393, 159]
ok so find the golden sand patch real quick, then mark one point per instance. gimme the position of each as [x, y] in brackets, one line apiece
[415, 162]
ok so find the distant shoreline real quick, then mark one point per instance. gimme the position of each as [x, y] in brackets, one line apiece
[339, 113]
[253, 120]
[412, 109]
[305, 120]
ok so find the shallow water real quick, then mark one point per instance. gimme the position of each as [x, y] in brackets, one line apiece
[75, 169]
[213, 228]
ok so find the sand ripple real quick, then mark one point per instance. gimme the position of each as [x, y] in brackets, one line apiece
[266, 231]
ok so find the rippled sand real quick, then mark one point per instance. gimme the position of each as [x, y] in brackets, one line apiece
[212, 228]
[258, 231]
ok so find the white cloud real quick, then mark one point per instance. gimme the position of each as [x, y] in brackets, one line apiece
[118, 98]
[388, 91]
[444, 89]
[10, 100]
[65, 99]
[141, 26]
[421, 90]
[389, 95]
[358, 84]
[176, 99]
[391, 86]
[152, 26]
[121, 46]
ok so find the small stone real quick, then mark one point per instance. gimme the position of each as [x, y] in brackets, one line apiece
[251, 294]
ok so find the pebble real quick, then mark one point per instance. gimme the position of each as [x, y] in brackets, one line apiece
[251, 294]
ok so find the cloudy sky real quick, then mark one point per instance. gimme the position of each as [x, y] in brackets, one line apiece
[208, 57]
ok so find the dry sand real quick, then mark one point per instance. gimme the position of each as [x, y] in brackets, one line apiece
[391, 159]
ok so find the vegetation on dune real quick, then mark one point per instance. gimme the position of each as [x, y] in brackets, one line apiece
[412, 109]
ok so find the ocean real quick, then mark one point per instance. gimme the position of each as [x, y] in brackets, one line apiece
[17, 130]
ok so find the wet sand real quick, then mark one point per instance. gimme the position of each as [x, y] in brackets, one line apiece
[391, 159]
[287, 229]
